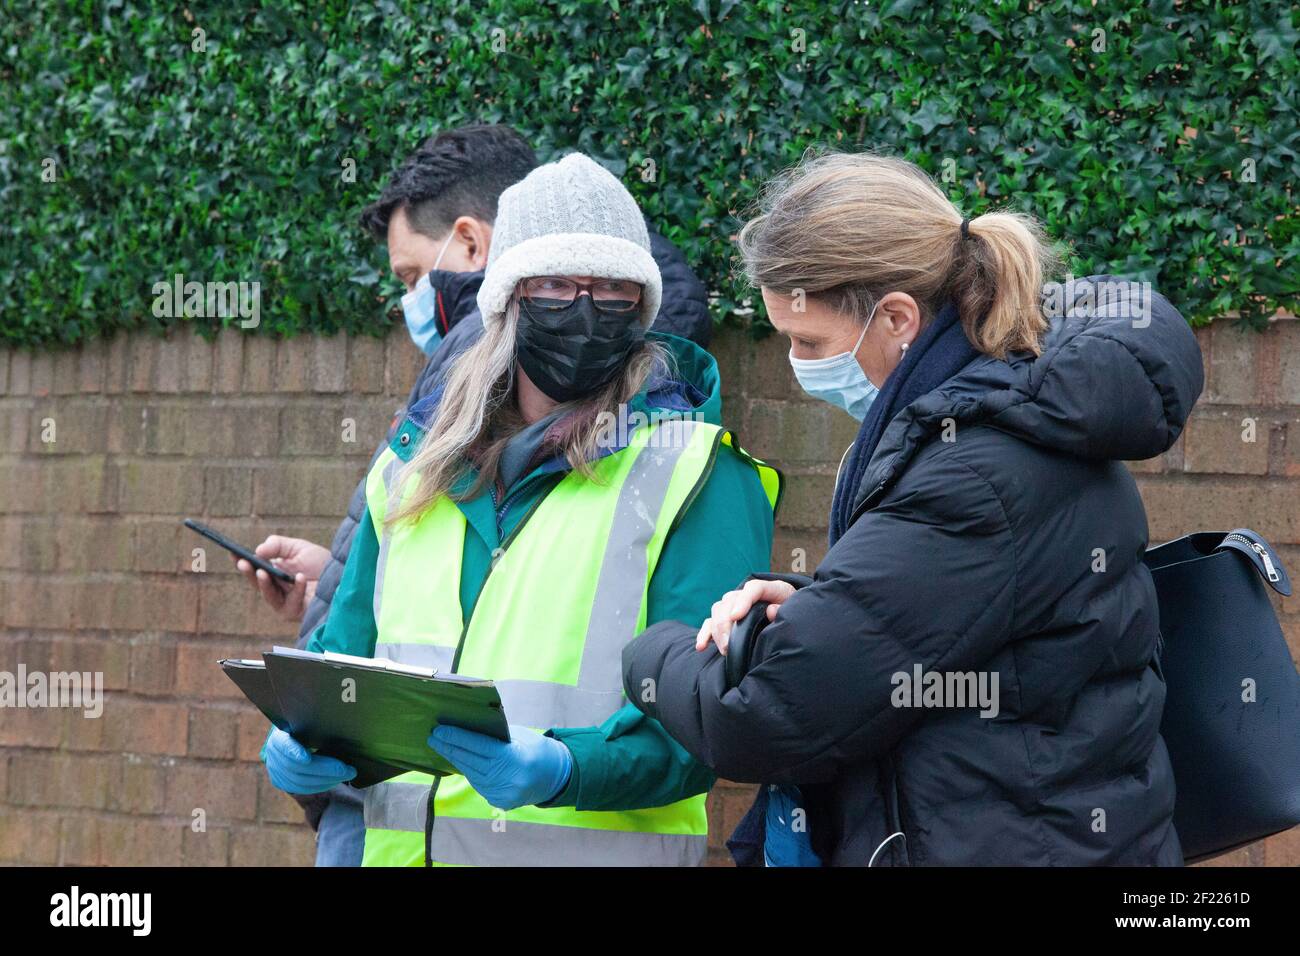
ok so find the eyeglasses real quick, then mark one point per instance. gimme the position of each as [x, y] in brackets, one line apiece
[557, 292]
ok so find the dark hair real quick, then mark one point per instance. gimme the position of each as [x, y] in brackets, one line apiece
[459, 172]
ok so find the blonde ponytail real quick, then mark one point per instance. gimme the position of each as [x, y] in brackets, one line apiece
[998, 274]
[849, 228]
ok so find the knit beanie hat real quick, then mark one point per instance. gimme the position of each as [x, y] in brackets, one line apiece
[570, 217]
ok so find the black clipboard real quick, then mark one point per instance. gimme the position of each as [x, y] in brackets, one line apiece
[373, 714]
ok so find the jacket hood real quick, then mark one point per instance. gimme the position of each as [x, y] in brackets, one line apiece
[691, 383]
[1119, 373]
[455, 297]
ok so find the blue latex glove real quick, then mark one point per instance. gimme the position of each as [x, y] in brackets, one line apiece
[786, 841]
[531, 769]
[295, 769]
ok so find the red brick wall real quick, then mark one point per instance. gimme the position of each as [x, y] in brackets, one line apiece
[95, 567]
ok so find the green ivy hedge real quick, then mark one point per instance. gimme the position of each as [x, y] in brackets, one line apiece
[1160, 140]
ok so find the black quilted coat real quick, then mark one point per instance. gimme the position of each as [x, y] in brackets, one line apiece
[1013, 549]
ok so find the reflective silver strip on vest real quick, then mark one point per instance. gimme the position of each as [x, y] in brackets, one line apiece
[624, 570]
[389, 475]
[436, 656]
[503, 842]
[536, 703]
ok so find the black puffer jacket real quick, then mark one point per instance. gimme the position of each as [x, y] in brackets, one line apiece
[977, 554]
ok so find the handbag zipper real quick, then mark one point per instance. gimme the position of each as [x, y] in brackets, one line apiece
[1260, 550]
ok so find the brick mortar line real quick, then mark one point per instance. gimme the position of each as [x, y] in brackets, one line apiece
[211, 763]
[167, 819]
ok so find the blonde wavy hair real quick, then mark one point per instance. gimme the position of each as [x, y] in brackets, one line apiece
[477, 416]
[847, 228]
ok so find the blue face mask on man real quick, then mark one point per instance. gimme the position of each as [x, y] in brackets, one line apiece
[420, 307]
[839, 379]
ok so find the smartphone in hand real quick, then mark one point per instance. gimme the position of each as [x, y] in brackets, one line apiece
[238, 550]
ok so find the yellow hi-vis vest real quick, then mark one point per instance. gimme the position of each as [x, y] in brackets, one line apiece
[566, 592]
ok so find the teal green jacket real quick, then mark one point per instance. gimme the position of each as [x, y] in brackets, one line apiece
[629, 762]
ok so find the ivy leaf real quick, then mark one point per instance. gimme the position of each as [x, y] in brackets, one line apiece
[930, 116]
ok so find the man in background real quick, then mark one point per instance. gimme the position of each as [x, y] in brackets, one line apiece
[435, 215]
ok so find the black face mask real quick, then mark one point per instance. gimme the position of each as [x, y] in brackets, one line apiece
[569, 353]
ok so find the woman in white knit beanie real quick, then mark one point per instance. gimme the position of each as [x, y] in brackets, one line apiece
[572, 220]
[512, 535]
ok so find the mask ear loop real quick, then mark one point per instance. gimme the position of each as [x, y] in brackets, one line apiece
[863, 334]
[440, 313]
[446, 242]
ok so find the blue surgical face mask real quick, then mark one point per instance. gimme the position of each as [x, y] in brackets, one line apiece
[839, 379]
[420, 306]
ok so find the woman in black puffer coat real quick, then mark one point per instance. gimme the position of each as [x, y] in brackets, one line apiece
[983, 525]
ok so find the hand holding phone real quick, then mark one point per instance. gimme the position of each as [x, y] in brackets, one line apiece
[304, 560]
[240, 551]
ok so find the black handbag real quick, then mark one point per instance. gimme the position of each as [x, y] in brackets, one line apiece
[1232, 711]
